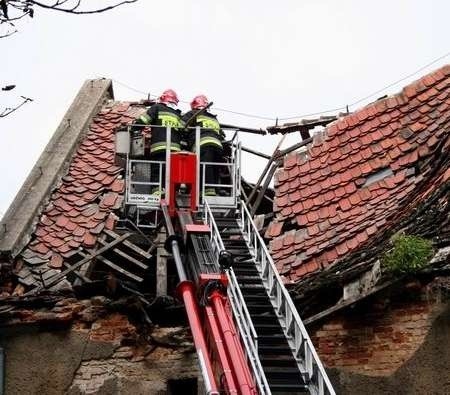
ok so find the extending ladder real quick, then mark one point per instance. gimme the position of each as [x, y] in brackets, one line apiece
[278, 346]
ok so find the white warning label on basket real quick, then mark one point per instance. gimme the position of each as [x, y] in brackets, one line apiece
[143, 199]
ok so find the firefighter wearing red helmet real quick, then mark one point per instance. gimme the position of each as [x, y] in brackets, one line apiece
[162, 114]
[211, 149]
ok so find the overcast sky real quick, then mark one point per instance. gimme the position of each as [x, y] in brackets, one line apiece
[274, 59]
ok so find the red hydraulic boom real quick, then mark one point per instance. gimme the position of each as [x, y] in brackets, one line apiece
[222, 358]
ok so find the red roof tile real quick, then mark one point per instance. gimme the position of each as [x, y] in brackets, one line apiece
[336, 193]
[83, 204]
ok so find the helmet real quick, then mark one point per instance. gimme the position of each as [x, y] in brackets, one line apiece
[169, 96]
[198, 102]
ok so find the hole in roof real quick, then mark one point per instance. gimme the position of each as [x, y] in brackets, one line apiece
[378, 176]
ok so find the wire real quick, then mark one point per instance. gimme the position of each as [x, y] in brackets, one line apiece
[314, 113]
[267, 118]
[400, 80]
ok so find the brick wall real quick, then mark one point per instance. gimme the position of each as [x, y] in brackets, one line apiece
[378, 336]
[79, 347]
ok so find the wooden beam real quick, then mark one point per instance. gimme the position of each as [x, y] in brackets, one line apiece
[75, 266]
[342, 305]
[126, 256]
[243, 129]
[264, 188]
[117, 268]
[80, 276]
[254, 152]
[161, 272]
[129, 244]
[266, 169]
[294, 147]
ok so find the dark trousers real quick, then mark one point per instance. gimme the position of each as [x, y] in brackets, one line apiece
[211, 153]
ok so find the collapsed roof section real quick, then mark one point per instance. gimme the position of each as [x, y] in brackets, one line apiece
[77, 206]
[360, 176]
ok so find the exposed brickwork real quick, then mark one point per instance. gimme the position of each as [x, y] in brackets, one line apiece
[114, 328]
[378, 338]
[150, 374]
[111, 355]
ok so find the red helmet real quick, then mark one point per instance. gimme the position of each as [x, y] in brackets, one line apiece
[199, 101]
[169, 96]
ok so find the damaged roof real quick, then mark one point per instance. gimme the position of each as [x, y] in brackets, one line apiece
[361, 175]
[82, 205]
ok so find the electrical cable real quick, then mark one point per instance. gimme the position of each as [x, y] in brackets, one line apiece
[275, 119]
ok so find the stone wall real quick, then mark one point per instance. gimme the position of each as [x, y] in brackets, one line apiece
[98, 353]
[398, 342]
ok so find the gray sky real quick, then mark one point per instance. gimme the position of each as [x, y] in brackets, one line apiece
[275, 59]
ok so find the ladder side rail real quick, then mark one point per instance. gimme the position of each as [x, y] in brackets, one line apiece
[282, 301]
[241, 314]
[247, 331]
[198, 169]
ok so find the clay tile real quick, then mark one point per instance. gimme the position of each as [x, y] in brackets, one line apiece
[312, 216]
[362, 237]
[56, 242]
[290, 160]
[350, 188]
[62, 221]
[282, 175]
[339, 192]
[118, 186]
[294, 172]
[274, 229]
[331, 255]
[315, 188]
[64, 249]
[297, 208]
[40, 248]
[342, 249]
[89, 240]
[285, 212]
[352, 243]
[111, 221]
[354, 199]
[97, 229]
[118, 203]
[281, 201]
[62, 204]
[40, 231]
[56, 262]
[346, 176]
[365, 168]
[72, 213]
[371, 230]
[345, 204]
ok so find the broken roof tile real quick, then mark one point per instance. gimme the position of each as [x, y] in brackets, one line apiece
[92, 179]
[393, 134]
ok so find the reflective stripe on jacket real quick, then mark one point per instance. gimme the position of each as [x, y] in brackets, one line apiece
[160, 114]
[210, 133]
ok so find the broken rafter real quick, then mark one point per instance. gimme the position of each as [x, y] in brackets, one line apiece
[341, 305]
[303, 126]
[56, 279]
[254, 152]
[244, 129]
[126, 256]
[130, 245]
[266, 169]
[115, 267]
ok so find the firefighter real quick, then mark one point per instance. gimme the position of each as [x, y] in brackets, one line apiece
[211, 137]
[162, 114]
